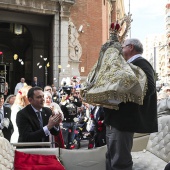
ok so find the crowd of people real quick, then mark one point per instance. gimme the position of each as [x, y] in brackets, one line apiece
[65, 107]
[33, 114]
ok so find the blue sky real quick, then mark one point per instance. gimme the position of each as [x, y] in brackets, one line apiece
[148, 17]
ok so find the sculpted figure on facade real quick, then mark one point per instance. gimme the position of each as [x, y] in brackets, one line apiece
[75, 49]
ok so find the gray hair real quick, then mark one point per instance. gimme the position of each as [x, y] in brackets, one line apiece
[47, 87]
[54, 88]
[136, 43]
[47, 94]
[9, 97]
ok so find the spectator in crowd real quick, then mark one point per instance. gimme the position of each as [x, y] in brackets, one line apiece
[6, 126]
[52, 85]
[20, 102]
[19, 85]
[77, 85]
[73, 81]
[35, 122]
[55, 110]
[10, 100]
[81, 114]
[36, 82]
[163, 99]
[88, 109]
[131, 117]
[52, 105]
[98, 129]
[166, 89]
[48, 88]
[69, 104]
[81, 123]
[55, 95]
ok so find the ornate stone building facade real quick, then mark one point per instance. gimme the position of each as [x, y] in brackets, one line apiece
[67, 34]
[44, 25]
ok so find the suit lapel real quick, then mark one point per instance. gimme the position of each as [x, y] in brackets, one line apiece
[33, 117]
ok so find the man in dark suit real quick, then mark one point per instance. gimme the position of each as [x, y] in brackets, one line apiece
[35, 122]
[36, 82]
[6, 126]
[98, 132]
[131, 117]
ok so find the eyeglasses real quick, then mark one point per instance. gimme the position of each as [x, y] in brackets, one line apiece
[47, 89]
[125, 45]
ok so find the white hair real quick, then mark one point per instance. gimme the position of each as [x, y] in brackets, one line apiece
[47, 94]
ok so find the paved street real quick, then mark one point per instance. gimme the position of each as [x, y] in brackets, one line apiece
[83, 144]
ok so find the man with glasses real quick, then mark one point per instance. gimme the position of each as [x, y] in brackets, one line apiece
[131, 117]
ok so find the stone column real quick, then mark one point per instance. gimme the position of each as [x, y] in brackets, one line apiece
[56, 51]
[64, 14]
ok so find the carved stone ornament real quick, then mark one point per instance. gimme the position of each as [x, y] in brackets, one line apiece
[75, 49]
[65, 8]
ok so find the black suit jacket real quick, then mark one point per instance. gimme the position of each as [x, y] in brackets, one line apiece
[65, 110]
[133, 117]
[38, 84]
[29, 127]
[7, 132]
[99, 114]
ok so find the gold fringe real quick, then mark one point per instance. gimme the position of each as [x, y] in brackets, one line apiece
[102, 98]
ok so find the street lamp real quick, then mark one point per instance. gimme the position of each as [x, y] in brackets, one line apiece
[2, 85]
[46, 74]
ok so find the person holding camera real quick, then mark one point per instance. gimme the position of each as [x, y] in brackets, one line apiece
[69, 104]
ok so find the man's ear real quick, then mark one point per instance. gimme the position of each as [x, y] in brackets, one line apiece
[30, 99]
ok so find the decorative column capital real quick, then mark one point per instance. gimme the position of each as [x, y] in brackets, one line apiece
[65, 8]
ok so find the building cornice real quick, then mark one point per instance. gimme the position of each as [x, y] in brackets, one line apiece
[31, 6]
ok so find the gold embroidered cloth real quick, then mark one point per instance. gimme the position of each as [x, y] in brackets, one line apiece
[112, 81]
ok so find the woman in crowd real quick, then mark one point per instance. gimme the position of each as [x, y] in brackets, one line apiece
[10, 100]
[20, 102]
[55, 110]
[49, 103]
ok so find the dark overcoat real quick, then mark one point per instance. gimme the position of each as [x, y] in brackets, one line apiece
[133, 117]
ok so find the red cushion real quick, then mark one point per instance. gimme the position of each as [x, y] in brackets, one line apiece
[25, 161]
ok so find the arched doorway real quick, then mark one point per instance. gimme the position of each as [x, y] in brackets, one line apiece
[15, 39]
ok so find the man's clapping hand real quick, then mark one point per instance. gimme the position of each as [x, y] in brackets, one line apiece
[54, 120]
[5, 122]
